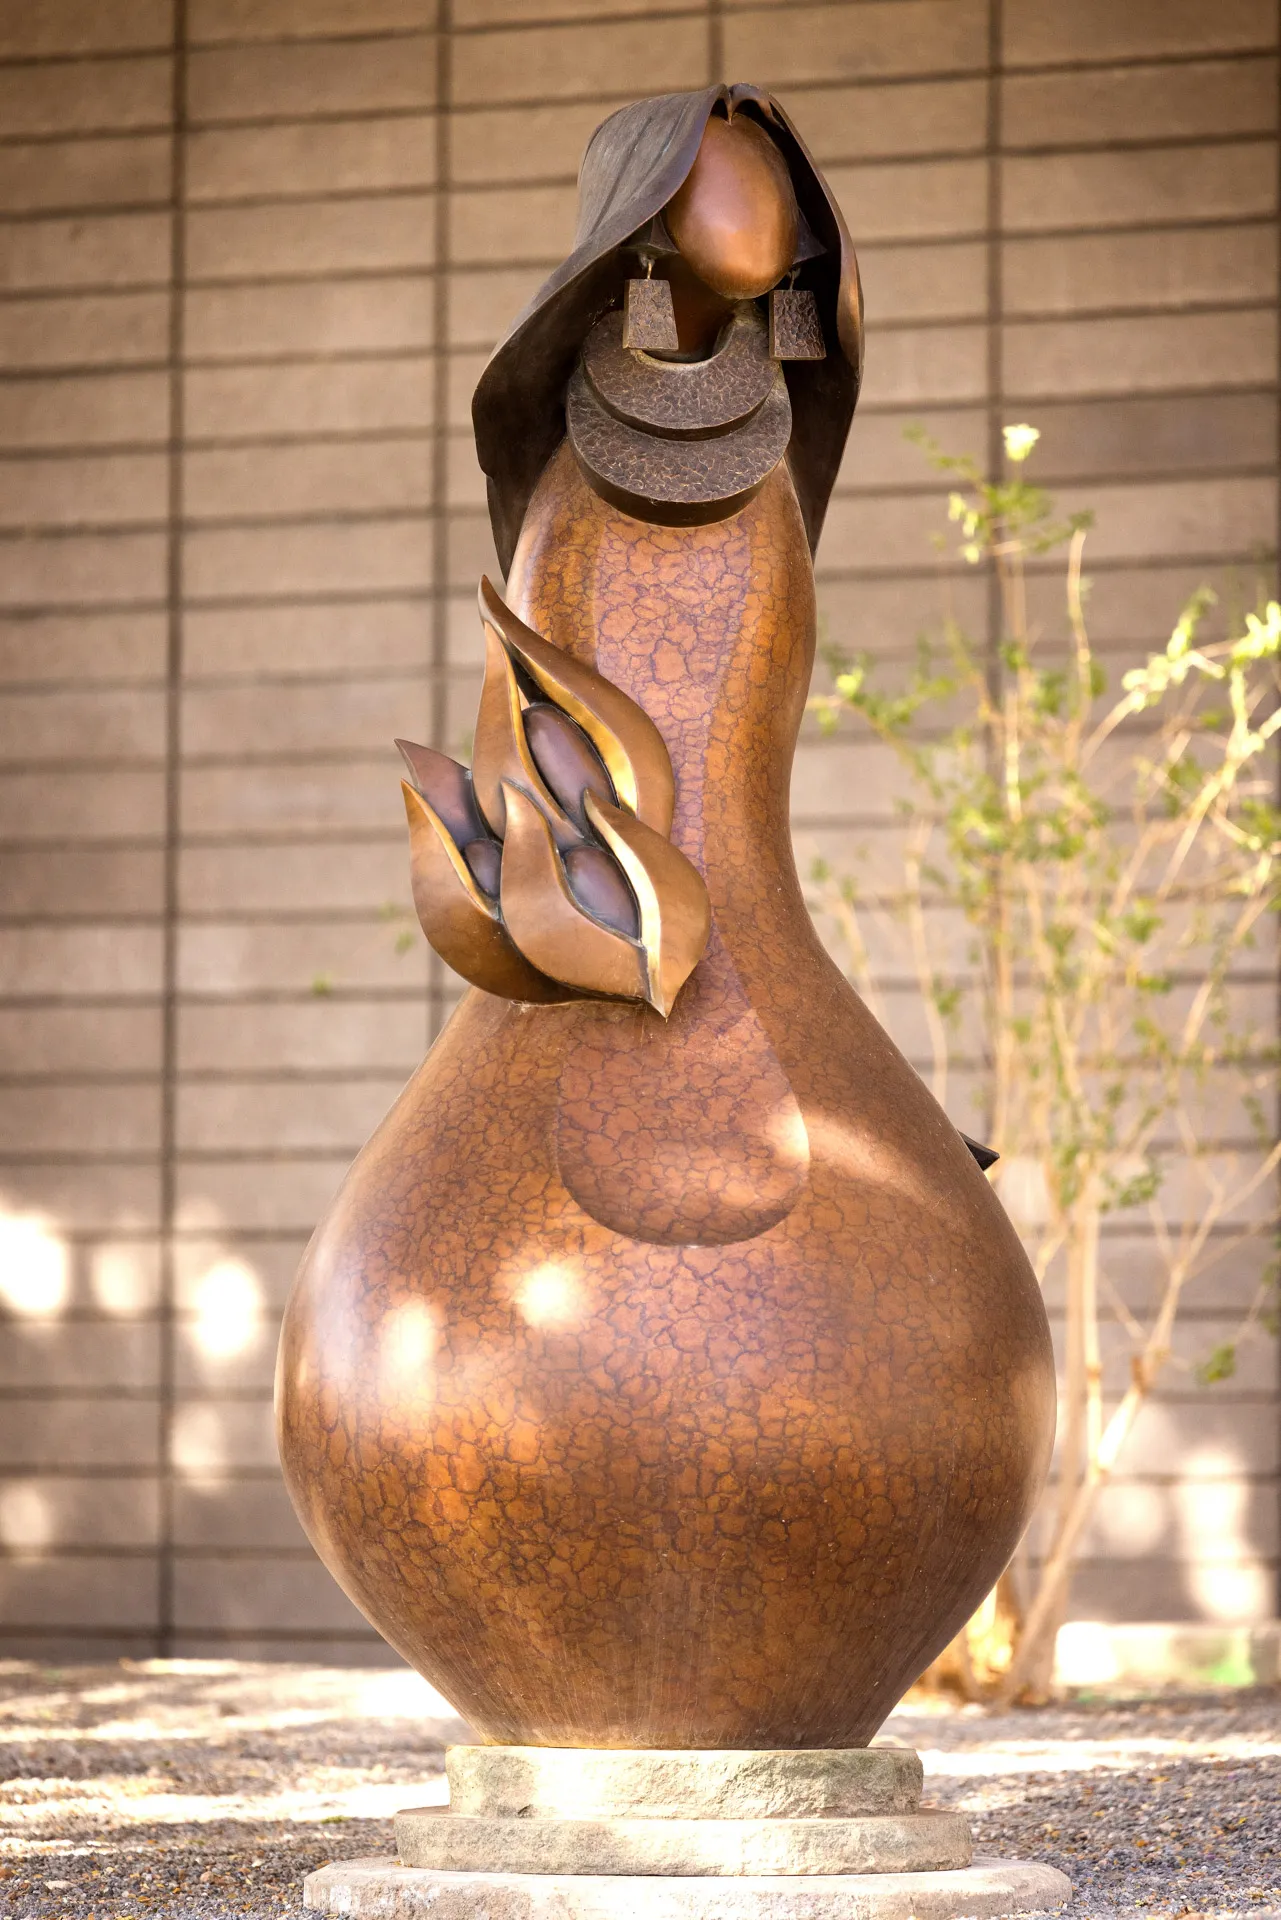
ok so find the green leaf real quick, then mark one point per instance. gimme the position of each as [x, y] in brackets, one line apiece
[1221, 1365]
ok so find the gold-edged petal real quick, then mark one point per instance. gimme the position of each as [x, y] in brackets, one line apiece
[460, 921]
[675, 912]
[622, 733]
[547, 923]
[500, 751]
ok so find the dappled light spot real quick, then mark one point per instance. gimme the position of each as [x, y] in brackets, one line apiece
[27, 1525]
[407, 1351]
[199, 1442]
[228, 1309]
[35, 1275]
[122, 1278]
[550, 1296]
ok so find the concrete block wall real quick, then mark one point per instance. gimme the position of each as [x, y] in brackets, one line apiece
[252, 259]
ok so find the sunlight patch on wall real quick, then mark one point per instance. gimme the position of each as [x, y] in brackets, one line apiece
[199, 1444]
[229, 1309]
[35, 1272]
[1223, 1574]
[26, 1520]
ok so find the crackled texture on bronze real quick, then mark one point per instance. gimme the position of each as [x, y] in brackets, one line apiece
[664, 1382]
[672, 1384]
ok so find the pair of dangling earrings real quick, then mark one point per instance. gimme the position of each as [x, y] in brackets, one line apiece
[795, 330]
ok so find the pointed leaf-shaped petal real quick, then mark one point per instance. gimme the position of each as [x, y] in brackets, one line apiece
[500, 750]
[461, 924]
[566, 758]
[546, 921]
[447, 789]
[622, 733]
[675, 912]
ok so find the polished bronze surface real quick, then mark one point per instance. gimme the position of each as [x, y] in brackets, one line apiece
[567, 760]
[630, 745]
[675, 913]
[546, 920]
[635, 163]
[457, 909]
[683, 1383]
[597, 884]
[734, 217]
[665, 1372]
[501, 752]
[544, 871]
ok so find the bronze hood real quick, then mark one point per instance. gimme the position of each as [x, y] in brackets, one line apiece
[634, 163]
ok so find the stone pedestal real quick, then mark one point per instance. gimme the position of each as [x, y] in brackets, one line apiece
[555, 1833]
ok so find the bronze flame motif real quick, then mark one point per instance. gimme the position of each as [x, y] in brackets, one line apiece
[665, 1372]
[546, 871]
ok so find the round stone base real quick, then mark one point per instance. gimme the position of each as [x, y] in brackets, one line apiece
[921, 1842]
[384, 1890]
[596, 1783]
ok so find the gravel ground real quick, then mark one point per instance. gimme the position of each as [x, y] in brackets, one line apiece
[198, 1790]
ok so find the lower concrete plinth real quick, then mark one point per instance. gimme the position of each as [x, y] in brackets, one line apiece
[384, 1890]
[582, 1834]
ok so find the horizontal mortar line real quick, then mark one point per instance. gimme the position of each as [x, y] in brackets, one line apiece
[1094, 565]
[1093, 396]
[19, 377]
[1014, 237]
[79, 290]
[360, 597]
[153, 129]
[193, 1553]
[50, 533]
[82, 1157]
[88, 211]
[124, 1470]
[1137, 478]
[1139, 143]
[425, 675]
[285, 1076]
[86, 56]
[83, 211]
[81, 135]
[151, 50]
[78, 683]
[356, 36]
[139, 1395]
[213, 443]
[1127, 63]
[363, 918]
[1187, 309]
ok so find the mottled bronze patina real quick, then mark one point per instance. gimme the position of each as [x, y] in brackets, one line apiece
[665, 1373]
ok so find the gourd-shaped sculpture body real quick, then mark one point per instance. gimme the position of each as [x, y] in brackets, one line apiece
[671, 1382]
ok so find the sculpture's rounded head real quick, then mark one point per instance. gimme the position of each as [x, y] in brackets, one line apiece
[715, 193]
[734, 217]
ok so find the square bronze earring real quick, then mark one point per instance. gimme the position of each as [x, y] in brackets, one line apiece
[649, 318]
[795, 330]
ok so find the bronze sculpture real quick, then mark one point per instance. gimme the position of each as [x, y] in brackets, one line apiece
[665, 1374]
